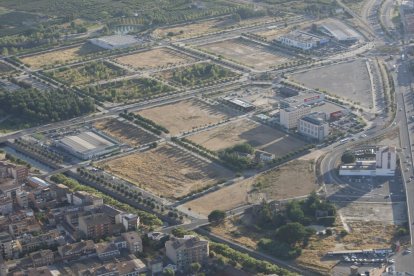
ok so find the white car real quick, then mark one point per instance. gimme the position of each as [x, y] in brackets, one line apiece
[391, 261]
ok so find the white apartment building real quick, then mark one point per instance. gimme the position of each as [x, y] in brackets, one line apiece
[314, 126]
[289, 117]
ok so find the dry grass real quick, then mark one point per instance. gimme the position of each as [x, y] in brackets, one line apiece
[167, 170]
[247, 131]
[248, 53]
[154, 58]
[191, 30]
[125, 132]
[185, 115]
[60, 56]
[295, 179]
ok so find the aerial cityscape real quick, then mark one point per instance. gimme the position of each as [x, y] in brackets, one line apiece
[206, 137]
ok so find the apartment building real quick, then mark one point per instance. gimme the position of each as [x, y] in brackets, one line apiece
[185, 251]
[95, 226]
[42, 257]
[289, 117]
[314, 126]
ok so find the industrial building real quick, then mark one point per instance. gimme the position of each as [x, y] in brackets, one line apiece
[339, 31]
[113, 42]
[302, 98]
[384, 164]
[289, 117]
[87, 145]
[314, 126]
[239, 104]
[302, 40]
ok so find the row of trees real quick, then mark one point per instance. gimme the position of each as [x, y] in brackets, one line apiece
[144, 122]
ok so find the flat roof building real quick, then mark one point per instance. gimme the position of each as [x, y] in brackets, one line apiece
[87, 145]
[289, 117]
[302, 40]
[239, 104]
[385, 164]
[339, 31]
[115, 41]
[307, 97]
[314, 126]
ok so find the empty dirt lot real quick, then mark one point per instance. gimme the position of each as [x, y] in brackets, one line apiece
[167, 171]
[297, 178]
[348, 80]
[248, 53]
[245, 130]
[125, 132]
[60, 56]
[184, 115]
[154, 58]
[190, 30]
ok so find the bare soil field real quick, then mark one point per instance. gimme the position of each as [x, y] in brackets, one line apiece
[190, 30]
[348, 80]
[259, 136]
[167, 171]
[248, 53]
[295, 179]
[154, 58]
[60, 56]
[185, 115]
[125, 132]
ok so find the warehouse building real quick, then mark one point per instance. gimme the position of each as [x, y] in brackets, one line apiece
[239, 104]
[302, 40]
[339, 31]
[314, 126]
[113, 42]
[87, 145]
[302, 98]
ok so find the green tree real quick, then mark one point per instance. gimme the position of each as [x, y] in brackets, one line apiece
[291, 233]
[168, 272]
[195, 267]
[348, 157]
[217, 216]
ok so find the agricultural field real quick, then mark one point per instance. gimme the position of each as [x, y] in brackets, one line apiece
[59, 57]
[247, 131]
[87, 73]
[127, 90]
[154, 58]
[248, 53]
[124, 132]
[185, 115]
[167, 171]
[5, 69]
[196, 74]
[349, 80]
[297, 178]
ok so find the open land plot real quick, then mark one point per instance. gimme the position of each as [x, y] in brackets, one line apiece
[190, 30]
[125, 132]
[185, 115]
[168, 171]
[5, 69]
[247, 131]
[348, 80]
[59, 57]
[248, 53]
[127, 90]
[296, 178]
[154, 58]
[87, 73]
[197, 74]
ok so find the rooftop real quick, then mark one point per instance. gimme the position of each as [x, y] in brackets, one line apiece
[186, 242]
[339, 30]
[118, 40]
[238, 102]
[302, 36]
[95, 219]
[315, 118]
[86, 142]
